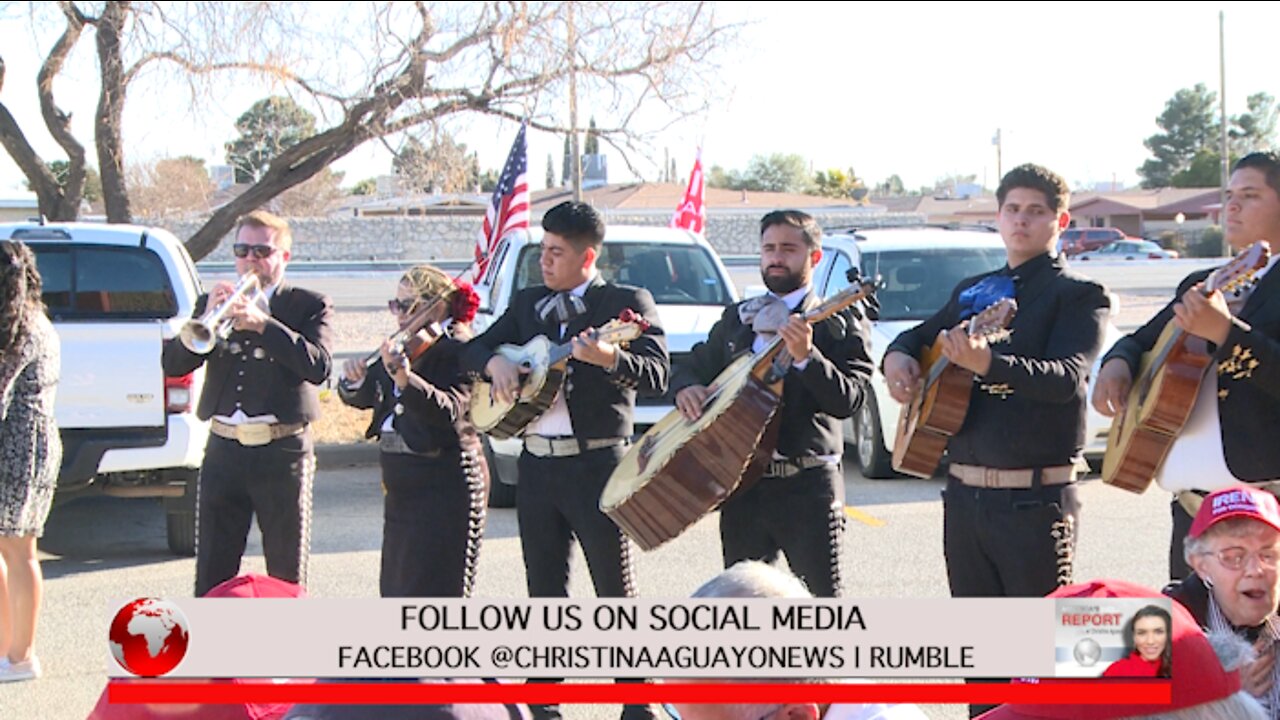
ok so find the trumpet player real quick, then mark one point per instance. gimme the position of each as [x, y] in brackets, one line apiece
[260, 395]
[433, 468]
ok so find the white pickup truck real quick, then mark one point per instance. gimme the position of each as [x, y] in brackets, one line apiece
[115, 293]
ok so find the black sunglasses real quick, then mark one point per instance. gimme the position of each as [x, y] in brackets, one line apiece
[262, 252]
[404, 306]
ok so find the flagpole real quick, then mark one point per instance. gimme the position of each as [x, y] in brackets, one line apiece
[575, 158]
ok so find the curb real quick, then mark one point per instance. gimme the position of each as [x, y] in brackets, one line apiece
[332, 456]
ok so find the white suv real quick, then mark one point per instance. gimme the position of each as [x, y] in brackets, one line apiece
[689, 284]
[115, 293]
[918, 268]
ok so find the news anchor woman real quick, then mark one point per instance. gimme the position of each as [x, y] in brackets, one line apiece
[433, 468]
[1147, 646]
[260, 393]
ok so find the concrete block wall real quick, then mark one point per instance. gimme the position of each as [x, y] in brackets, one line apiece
[735, 232]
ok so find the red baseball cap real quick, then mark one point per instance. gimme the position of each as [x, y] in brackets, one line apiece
[1198, 675]
[1239, 501]
[253, 585]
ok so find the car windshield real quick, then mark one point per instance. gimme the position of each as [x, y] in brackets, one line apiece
[674, 274]
[915, 284]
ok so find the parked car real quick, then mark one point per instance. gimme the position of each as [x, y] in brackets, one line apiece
[1129, 250]
[918, 268]
[685, 276]
[1074, 241]
[115, 294]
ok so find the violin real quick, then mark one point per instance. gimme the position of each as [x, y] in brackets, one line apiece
[419, 342]
[414, 338]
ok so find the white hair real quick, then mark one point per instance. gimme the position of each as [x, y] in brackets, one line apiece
[1237, 527]
[753, 579]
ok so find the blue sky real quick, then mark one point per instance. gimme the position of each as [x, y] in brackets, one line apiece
[906, 88]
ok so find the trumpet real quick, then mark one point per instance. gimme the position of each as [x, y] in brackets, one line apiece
[201, 335]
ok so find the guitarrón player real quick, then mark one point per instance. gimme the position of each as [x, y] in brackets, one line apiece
[797, 507]
[1225, 439]
[570, 451]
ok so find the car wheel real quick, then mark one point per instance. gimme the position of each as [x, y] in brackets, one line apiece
[501, 495]
[180, 518]
[876, 462]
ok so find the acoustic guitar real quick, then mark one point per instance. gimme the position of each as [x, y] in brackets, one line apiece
[940, 402]
[546, 363]
[682, 469]
[1167, 384]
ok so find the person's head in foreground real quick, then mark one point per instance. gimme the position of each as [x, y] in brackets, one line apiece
[1233, 545]
[1206, 672]
[752, 579]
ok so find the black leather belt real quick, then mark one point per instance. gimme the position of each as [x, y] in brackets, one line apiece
[792, 466]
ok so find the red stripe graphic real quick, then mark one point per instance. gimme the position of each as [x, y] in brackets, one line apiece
[1083, 692]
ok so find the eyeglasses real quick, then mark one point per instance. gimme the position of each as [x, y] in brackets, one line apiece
[396, 305]
[262, 252]
[1236, 558]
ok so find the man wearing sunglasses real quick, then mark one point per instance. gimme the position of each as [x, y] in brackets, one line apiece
[260, 394]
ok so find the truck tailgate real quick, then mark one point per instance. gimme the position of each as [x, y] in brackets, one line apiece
[111, 375]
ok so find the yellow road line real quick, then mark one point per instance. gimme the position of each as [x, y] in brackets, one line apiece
[862, 517]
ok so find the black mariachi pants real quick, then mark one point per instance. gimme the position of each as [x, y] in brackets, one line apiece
[1008, 543]
[801, 516]
[433, 520]
[559, 500]
[271, 481]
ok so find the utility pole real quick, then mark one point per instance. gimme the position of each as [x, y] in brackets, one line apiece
[1226, 158]
[999, 166]
[575, 156]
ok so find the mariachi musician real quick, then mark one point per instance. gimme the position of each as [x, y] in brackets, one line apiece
[260, 392]
[1009, 508]
[797, 507]
[1225, 440]
[572, 448]
[434, 473]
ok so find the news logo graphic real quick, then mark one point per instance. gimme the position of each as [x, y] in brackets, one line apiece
[1093, 633]
[148, 637]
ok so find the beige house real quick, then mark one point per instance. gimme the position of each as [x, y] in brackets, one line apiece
[22, 206]
[1140, 212]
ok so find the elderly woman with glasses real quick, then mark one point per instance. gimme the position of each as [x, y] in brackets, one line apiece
[1233, 547]
[433, 468]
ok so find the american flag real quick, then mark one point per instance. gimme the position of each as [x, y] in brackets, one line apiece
[509, 208]
[692, 213]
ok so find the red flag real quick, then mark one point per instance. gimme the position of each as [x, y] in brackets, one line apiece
[509, 208]
[692, 213]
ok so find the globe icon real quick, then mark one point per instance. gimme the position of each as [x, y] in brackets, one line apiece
[1087, 652]
[148, 637]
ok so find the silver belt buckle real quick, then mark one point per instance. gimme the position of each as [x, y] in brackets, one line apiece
[253, 434]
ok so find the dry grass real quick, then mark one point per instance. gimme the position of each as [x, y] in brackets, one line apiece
[338, 423]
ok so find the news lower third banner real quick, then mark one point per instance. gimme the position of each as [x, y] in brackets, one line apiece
[616, 638]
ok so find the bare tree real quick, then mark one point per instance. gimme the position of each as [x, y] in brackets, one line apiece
[380, 69]
[443, 166]
[313, 197]
[169, 189]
